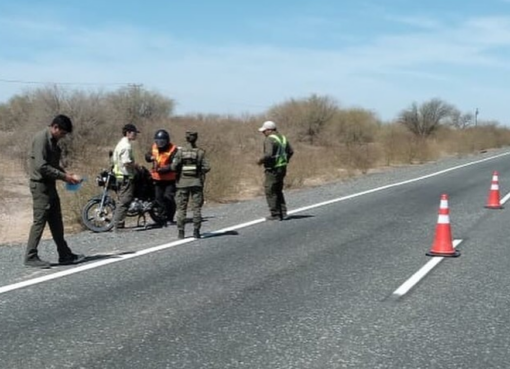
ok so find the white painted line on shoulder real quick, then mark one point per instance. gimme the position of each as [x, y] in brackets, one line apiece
[114, 258]
[396, 184]
[420, 274]
[117, 258]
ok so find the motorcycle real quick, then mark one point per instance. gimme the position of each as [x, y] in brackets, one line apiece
[97, 214]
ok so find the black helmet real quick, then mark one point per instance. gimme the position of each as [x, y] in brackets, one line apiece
[161, 138]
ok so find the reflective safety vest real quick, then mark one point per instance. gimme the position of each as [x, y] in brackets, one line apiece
[162, 159]
[280, 159]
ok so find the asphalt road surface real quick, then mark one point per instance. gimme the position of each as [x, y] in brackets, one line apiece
[315, 291]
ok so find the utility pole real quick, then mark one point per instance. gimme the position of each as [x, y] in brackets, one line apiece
[476, 117]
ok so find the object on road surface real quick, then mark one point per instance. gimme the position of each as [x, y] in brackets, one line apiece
[493, 202]
[443, 243]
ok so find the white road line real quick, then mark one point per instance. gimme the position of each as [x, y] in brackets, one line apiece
[395, 184]
[118, 258]
[505, 199]
[420, 274]
[115, 258]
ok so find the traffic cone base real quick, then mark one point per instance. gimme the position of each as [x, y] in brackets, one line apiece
[493, 207]
[453, 254]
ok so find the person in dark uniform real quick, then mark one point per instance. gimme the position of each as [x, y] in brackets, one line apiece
[276, 156]
[191, 166]
[45, 170]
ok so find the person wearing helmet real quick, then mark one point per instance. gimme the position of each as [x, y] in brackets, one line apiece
[276, 156]
[191, 166]
[161, 155]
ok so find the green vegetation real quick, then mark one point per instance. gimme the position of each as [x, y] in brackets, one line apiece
[330, 142]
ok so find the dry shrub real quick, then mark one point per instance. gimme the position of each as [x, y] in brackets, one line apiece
[305, 119]
[329, 143]
[400, 146]
[488, 135]
[230, 145]
[312, 165]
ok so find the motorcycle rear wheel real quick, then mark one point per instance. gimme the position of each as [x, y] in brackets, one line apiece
[97, 219]
[156, 215]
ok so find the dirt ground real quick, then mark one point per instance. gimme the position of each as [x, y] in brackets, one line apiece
[15, 204]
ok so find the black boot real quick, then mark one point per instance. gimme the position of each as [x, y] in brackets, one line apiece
[196, 233]
[181, 234]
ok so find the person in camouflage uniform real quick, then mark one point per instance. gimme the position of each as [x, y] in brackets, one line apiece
[191, 166]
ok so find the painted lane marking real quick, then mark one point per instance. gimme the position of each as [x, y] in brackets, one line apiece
[420, 274]
[395, 184]
[505, 199]
[118, 258]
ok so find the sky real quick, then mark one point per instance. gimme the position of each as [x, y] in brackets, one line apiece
[244, 56]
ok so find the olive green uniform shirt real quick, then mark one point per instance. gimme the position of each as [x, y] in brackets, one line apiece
[44, 159]
[185, 179]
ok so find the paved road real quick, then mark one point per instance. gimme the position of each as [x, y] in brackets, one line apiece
[316, 291]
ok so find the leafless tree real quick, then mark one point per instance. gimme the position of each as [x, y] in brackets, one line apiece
[425, 119]
[461, 120]
[135, 104]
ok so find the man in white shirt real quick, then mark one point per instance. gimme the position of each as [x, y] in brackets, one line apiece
[124, 167]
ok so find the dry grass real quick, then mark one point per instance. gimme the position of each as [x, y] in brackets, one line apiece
[345, 143]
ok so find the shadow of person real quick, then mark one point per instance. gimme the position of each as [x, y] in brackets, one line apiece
[220, 234]
[291, 217]
[96, 257]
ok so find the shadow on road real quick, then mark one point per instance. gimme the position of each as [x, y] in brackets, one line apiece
[292, 217]
[96, 257]
[220, 234]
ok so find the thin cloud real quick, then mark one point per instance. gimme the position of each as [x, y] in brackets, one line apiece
[419, 22]
[214, 76]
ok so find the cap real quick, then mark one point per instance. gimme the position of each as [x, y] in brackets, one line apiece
[267, 125]
[130, 128]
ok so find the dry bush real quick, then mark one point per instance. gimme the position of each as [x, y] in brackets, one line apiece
[489, 135]
[355, 130]
[329, 143]
[423, 120]
[306, 118]
[473, 139]
[400, 146]
[232, 147]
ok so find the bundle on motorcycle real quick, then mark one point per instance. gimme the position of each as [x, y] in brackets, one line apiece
[97, 214]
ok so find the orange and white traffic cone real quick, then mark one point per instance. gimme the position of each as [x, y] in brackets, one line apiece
[443, 243]
[493, 202]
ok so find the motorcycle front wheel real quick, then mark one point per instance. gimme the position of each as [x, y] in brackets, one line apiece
[97, 218]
